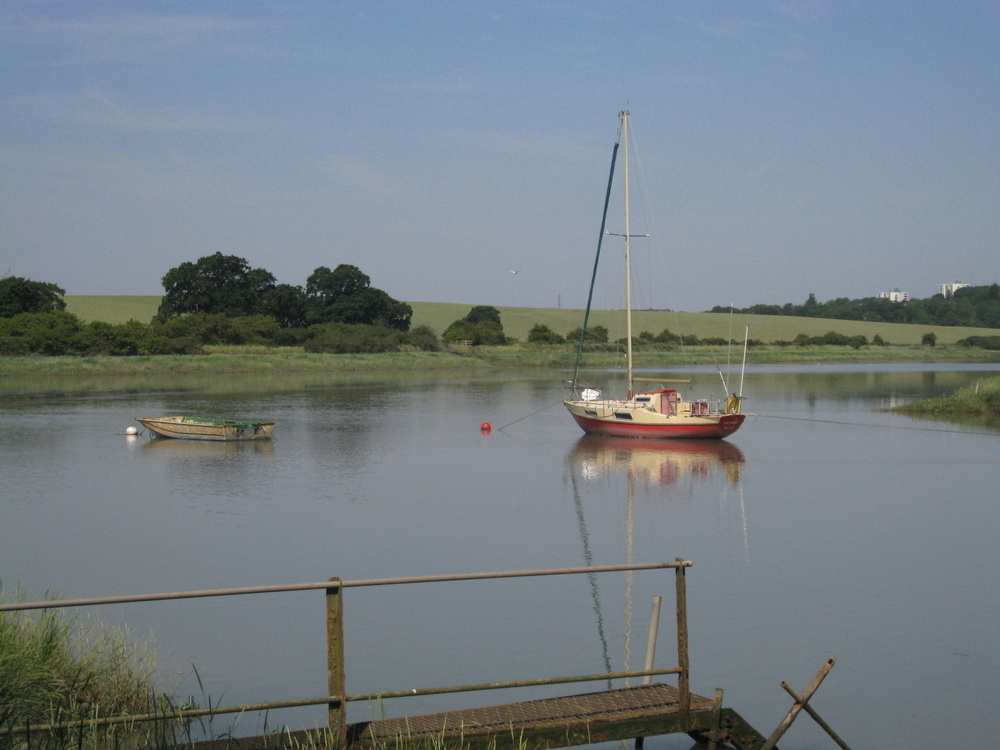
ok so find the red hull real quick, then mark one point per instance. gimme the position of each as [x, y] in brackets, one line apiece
[727, 425]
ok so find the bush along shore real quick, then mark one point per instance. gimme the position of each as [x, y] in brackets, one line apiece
[978, 400]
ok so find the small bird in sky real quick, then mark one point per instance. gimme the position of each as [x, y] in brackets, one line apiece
[511, 270]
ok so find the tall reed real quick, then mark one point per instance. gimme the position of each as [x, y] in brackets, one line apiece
[57, 668]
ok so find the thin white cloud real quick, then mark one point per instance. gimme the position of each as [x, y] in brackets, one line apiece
[118, 36]
[98, 109]
[30, 30]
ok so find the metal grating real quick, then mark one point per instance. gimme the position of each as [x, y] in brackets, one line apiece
[550, 713]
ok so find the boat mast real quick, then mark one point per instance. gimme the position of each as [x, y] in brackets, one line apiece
[628, 254]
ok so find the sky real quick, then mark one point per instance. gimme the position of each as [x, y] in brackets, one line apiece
[782, 148]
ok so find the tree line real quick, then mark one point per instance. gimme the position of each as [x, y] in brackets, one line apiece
[971, 306]
[222, 300]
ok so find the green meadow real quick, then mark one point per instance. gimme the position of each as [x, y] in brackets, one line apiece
[517, 321]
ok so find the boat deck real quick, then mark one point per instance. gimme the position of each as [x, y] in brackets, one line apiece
[608, 715]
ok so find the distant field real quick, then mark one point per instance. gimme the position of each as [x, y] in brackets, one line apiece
[517, 321]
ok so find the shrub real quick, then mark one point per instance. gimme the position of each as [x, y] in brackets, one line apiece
[180, 345]
[542, 334]
[484, 333]
[346, 338]
[595, 335]
[981, 342]
[666, 337]
[49, 333]
[424, 338]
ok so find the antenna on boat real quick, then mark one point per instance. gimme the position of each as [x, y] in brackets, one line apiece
[746, 341]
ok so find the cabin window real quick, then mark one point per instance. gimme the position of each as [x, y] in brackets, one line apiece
[643, 399]
[590, 412]
[623, 415]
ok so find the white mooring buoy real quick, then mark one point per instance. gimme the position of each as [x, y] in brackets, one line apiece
[131, 430]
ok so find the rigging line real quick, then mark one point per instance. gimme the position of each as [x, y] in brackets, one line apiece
[862, 424]
[597, 259]
[537, 411]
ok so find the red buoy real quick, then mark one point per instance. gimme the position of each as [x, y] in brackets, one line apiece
[485, 427]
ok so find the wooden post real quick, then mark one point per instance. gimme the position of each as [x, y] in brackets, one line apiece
[654, 627]
[713, 742]
[816, 717]
[797, 707]
[336, 685]
[683, 679]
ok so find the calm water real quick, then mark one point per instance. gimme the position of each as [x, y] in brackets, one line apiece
[820, 529]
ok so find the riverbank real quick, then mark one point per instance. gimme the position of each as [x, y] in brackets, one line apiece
[980, 399]
[222, 359]
[249, 367]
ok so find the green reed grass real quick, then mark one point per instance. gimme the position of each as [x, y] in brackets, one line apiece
[979, 399]
[57, 668]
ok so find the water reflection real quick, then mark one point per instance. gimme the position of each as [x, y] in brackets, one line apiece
[658, 466]
[656, 462]
[204, 449]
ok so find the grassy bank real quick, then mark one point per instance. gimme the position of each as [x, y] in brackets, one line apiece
[254, 368]
[980, 399]
[518, 321]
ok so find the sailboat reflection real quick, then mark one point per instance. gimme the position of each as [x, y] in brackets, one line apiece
[656, 462]
[666, 468]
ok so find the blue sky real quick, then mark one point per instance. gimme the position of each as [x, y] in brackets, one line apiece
[785, 148]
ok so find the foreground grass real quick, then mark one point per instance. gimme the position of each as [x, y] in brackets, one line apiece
[60, 675]
[55, 668]
[980, 399]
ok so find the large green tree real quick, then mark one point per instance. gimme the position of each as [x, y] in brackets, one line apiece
[18, 295]
[286, 304]
[215, 284]
[345, 295]
[481, 326]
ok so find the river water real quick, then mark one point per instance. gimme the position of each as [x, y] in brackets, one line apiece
[821, 529]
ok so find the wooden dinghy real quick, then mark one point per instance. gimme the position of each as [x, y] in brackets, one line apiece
[204, 428]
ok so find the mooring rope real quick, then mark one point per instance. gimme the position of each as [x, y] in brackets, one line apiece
[526, 416]
[863, 424]
[795, 419]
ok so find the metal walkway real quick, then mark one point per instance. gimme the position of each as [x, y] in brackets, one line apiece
[621, 714]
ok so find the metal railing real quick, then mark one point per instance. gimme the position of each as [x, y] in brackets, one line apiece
[337, 698]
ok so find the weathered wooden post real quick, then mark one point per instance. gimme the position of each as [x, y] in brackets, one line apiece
[816, 717]
[798, 705]
[713, 742]
[336, 684]
[683, 679]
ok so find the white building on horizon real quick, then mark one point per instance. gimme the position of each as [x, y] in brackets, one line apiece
[894, 296]
[948, 290]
